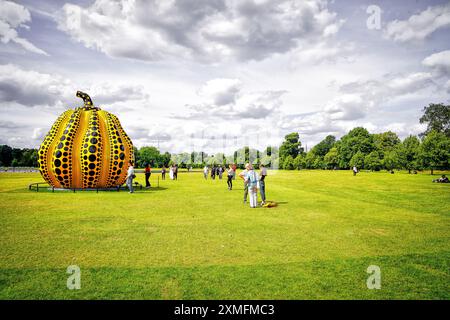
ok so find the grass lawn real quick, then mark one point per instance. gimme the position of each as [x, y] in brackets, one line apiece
[194, 239]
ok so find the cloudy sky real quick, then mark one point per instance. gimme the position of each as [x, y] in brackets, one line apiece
[214, 75]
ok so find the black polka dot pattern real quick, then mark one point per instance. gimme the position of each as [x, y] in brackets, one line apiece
[45, 145]
[91, 152]
[62, 156]
[79, 150]
[116, 165]
[127, 152]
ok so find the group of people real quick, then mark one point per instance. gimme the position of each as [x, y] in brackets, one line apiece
[173, 172]
[215, 171]
[252, 180]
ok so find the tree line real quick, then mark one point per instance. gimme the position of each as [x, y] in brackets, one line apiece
[16, 157]
[430, 150]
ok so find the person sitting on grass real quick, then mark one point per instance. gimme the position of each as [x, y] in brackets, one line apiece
[442, 179]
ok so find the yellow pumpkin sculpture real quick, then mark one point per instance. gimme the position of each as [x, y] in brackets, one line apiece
[85, 148]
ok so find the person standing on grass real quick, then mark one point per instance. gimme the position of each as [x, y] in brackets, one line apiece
[242, 175]
[175, 171]
[355, 170]
[163, 172]
[205, 172]
[251, 178]
[213, 173]
[220, 172]
[171, 172]
[130, 176]
[148, 172]
[230, 177]
[262, 184]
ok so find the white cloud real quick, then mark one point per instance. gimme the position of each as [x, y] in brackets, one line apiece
[419, 26]
[209, 31]
[221, 91]
[13, 16]
[440, 62]
[224, 98]
[31, 88]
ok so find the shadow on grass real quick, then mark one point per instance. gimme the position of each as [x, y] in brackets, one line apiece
[49, 190]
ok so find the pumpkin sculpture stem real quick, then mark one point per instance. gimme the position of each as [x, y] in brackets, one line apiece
[88, 105]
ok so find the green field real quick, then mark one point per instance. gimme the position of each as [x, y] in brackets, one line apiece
[194, 239]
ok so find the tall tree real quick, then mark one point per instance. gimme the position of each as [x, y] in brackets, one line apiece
[386, 142]
[357, 140]
[357, 160]
[291, 146]
[372, 161]
[5, 155]
[434, 152]
[410, 148]
[322, 148]
[391, 160]
[331, 159]
[437, 116]
[150, 155]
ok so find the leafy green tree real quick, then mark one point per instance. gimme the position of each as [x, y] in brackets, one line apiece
[434, 152]
[150, 155]
[391, 160]
[357, 140]
[165, 159]
[15, 163]
[17, 155]
[372, 161]
[29, 158]
[437, 116]
[291, 146]
[310, 160]
[322, 148]
[5, 155]
[299, 162]
[386, 142]
[288, 163]
[318, 163]
[136, 156]
[357, 160]
[410, 151]
[331, 159]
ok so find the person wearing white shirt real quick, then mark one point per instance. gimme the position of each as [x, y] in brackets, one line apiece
[130, 176]
[252, 181]
[242, 175]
